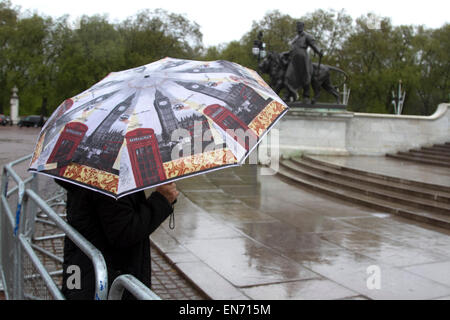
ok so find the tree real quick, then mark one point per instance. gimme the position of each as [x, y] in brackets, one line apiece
[87, 54]
[153, 35]
[29, 64]
[8, 21]
[368, 56]
[331, 29]
[432, 49]
[278, 29]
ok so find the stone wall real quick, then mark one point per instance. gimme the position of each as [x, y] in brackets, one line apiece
[348, 133]
[376, 134]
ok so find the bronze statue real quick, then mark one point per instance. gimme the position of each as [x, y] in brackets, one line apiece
[276, 66]
[300, 69]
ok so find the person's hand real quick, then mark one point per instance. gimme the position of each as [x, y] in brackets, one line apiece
[169, 191]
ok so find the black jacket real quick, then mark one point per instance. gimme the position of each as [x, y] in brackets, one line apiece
[120, 229]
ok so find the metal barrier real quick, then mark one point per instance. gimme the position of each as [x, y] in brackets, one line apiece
[20, 266]
[134, 286]
[10, 247]
[17, 253]
[101, 275]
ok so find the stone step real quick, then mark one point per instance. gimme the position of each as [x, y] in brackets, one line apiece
[442, 157]
[357, 198]
[408, 182]
[370, 190]
[419, 160]
[417, 191]
[444, 145]
[431, 152]
[439, 149]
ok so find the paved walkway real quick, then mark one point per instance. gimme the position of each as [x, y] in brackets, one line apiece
[240, 235]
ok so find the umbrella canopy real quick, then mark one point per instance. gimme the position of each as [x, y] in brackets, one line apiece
[158, 123]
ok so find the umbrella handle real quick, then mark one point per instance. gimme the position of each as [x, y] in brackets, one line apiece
[172, 217]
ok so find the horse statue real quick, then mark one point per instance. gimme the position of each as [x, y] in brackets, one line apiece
[276, 64]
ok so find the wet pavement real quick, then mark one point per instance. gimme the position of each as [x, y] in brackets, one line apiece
[258, 237]
[242, 235]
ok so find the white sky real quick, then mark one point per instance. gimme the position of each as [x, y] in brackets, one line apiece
[226, 20]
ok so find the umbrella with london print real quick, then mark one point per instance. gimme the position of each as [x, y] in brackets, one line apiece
[157, 123]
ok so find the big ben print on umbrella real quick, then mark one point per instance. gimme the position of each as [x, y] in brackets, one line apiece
[158, 123]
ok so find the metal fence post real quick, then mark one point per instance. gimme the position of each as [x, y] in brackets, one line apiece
[18, 270]
[3, 191]
[29, 211]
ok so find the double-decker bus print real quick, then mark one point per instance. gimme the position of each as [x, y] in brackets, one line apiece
[67, 144]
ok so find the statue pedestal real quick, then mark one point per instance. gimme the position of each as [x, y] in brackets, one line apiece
[335, 131]
[319, 129]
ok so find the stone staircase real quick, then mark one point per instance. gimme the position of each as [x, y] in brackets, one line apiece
[411, 199]
[438, 155]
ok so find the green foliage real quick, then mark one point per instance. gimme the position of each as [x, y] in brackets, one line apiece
[278, 30]
[49, 60]
[8, 21]
[153, 35]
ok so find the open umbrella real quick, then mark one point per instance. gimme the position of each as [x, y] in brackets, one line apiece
[158, 123]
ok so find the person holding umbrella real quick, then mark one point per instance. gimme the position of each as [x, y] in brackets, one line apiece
[120, 229]
[109, 144]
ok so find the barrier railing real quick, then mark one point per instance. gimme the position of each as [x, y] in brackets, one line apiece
[101, 275]
[133, 285]
[10, 247]
[18, 245]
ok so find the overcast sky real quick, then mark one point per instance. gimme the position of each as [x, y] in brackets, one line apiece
[226, 20]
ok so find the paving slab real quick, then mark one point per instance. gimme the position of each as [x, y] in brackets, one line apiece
[210, 282]
[407, 232]
[315, 289]
[439, 272]
[380, 248]
[244, 262]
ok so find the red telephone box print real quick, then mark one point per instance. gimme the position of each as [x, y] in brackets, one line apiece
[145, 157]
[225, 119]
[67, 143]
